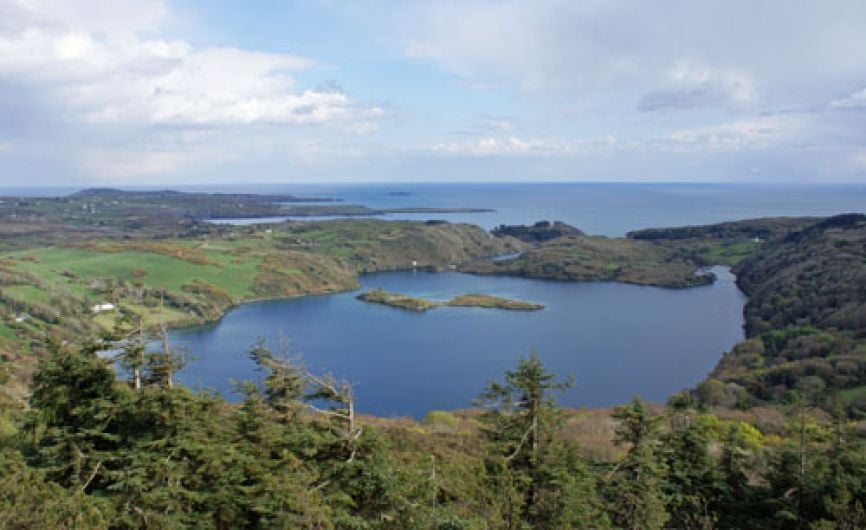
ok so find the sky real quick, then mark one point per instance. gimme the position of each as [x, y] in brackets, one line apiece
[152, 92]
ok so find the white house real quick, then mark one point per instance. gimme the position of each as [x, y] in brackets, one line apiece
[104, 306]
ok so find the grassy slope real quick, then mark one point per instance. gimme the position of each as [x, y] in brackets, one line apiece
[7, 333]
[54, 265]
[372, 245]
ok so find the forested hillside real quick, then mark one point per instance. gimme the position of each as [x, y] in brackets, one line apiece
[805, 316]
[93, 452]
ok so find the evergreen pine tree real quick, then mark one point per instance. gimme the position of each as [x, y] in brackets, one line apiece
[636, 488]
[693, 483]
[75, 416]
[542, 481]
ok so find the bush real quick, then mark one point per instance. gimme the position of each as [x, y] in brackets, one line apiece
[712, 392]
[441, 420]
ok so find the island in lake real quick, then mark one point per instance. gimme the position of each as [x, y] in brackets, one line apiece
[411, 303]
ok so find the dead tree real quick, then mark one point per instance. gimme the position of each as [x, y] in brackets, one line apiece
[341, 410]
[163, 363]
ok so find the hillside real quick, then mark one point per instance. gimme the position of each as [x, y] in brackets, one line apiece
[598, 259]
[805, 321]
[723, 243]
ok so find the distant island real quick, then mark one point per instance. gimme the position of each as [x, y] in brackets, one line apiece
[402, 301]
[538, 232]
[399, 193]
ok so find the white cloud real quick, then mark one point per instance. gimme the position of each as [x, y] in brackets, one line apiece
[741, 135]
[758, 133]
[121, 76]
[506, 146]
[500, 124]
[117, 89]
[511, 145]
[691, 86]
[605, 52]
[135, 103]
[98, 16]
[854, 101]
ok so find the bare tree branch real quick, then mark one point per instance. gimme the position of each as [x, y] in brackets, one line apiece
[92, 476]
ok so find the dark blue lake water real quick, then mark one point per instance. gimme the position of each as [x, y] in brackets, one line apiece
[616, 340]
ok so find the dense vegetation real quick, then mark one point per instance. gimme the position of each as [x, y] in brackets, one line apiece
[806, 313]
[400, 301]
[94, 452]
[493, 302]
[592, 258]
[723, 243]
[538, 232]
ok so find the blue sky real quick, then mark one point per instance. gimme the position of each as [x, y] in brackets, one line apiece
[192, 91]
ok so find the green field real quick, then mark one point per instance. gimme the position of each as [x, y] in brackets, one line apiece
[7, 333]
[71, 270]
[27, 293]
[724, 253]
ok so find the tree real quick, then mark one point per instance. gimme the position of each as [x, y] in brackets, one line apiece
[843, 487]
[28, 500]
[351, 466]
[162, 364]
[636, 487]
[693, 483]
[75, 414]
[278, 486]
[795, 472]
[542, 480]
[742, 464]
[283, 382]
[130, 337]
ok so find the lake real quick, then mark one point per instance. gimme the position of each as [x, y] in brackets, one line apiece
[616, 340]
